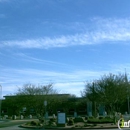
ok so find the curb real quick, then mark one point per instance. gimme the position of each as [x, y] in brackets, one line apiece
[63, 128]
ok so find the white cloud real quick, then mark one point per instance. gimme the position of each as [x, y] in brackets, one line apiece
[69, 82]
[26, 57]
[66, 82]
[39, 76]
[104, 30]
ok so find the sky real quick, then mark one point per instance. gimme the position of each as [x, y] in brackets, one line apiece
[64, 42]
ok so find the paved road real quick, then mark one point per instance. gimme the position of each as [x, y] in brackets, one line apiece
[12, 124]
[18, 128]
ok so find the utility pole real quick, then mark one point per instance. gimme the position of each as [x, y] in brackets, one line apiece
[94, 102]
[128, 90]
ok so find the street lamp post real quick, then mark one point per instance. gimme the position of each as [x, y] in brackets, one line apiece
[45, 104]
[128, 91]
[128, 106]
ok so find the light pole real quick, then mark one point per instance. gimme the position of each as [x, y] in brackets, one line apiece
[45, 104]
[0, 99]
[128, 106]
[128, 91]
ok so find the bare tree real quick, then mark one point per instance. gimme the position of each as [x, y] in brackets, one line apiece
[30, 89]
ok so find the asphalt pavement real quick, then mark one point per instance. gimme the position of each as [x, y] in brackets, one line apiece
[16, 127]
[8, 124]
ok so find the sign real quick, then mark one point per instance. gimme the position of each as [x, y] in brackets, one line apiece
[61, 118]
[102, 110]
[75, 114]
[89, 108]
[45, 103]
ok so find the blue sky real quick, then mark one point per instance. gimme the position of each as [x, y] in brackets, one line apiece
[64, 42]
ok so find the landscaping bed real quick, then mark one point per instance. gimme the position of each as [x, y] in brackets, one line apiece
[74, 123]
[101, 121]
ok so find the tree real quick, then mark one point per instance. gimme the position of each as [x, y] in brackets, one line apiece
[30, 89]
[110, 90]
[32, 97]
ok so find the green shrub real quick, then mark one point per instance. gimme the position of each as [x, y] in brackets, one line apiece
[79, 119]
[34, 123]
[76, 125]
[70, 121]
[101, 117]
[86, 117]
[100, 120]
[52, 122]
[53, 119]
[8, 118]
[86, 125]
[91, 117]
[28, 123]
[41, 120]
[108, 117]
